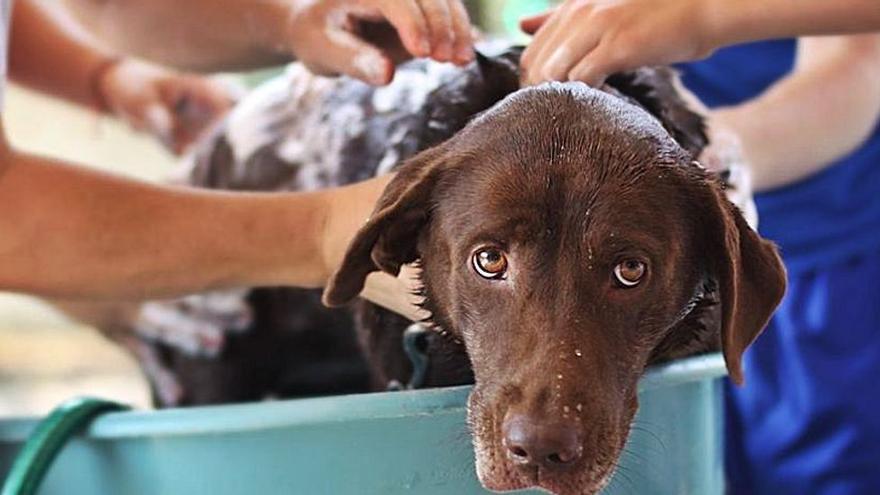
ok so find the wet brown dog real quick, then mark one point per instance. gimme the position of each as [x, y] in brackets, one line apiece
[568, 241]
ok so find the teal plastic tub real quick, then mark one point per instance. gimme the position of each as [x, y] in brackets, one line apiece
[387, 443]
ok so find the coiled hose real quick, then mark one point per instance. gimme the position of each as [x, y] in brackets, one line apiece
[47, 439]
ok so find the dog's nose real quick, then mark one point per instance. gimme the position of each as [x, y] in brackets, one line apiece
[539, 442]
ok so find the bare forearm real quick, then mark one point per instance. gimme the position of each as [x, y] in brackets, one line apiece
[48, 53]
[204, 35]
[819, 113]
[69, 232]
[588, 40]
[738, 21]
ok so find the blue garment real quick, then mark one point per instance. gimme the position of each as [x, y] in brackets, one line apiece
[824, 218]
[808, 419]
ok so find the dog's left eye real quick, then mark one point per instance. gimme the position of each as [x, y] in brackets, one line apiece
[630, 272]
[490, 263]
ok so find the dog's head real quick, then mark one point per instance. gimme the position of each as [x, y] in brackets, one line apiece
[567, 238]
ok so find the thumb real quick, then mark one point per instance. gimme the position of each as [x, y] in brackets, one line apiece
[355, 57]
[531, 24]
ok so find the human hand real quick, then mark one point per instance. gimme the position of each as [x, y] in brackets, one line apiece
[176, 108]
[351, 37]
[587, 40]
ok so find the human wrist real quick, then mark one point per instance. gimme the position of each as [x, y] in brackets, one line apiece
[720, 22]
[98, 83]
[289, 239]
[723, 22]
[329, 241]
[271, 23]
[342, 213]
[741, 21]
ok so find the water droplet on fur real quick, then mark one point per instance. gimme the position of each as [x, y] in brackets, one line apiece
[559, 376]
[580, 407]
[578, 353]
[566, 409]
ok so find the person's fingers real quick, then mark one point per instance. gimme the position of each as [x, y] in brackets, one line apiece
[463, 48]
[158, 120]
[440, 23]
[531, 24]
[212, 98]
[560, 50]
[407, 17]
[595, 67]
[357, 58]
[194, 104]
[539, 48]
[570, 48]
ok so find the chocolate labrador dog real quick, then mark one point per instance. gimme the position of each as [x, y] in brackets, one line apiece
[567, 239]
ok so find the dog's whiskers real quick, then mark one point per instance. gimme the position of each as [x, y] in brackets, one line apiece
[646, 428]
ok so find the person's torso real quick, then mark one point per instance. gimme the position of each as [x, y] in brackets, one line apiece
[829, 216]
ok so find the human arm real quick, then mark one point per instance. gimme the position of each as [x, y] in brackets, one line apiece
[823, 110]
[70, 232]
[49, 53]
[590, 39]
[326, 35]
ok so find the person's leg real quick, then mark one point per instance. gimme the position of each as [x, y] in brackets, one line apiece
[808, 419]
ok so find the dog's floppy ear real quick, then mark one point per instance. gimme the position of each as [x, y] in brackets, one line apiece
[749, 273]
[656, 90]
[388, 240]
[483, 84]
[500, 72]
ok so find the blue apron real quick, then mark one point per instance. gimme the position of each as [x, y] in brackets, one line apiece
[808, 419]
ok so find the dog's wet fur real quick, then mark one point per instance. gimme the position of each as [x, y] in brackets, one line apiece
[567, 182]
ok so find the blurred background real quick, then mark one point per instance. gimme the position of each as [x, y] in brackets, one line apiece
[45, 358]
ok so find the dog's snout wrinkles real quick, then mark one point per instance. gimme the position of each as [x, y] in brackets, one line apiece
[541, 443]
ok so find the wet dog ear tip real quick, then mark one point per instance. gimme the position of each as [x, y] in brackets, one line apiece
[735, 374]
[334, 296]
[328, 298]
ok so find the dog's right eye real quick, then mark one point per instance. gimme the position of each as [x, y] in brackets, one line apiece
[629, 272]
[490, 263]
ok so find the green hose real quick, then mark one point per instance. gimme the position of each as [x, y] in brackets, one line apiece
[47, 439]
